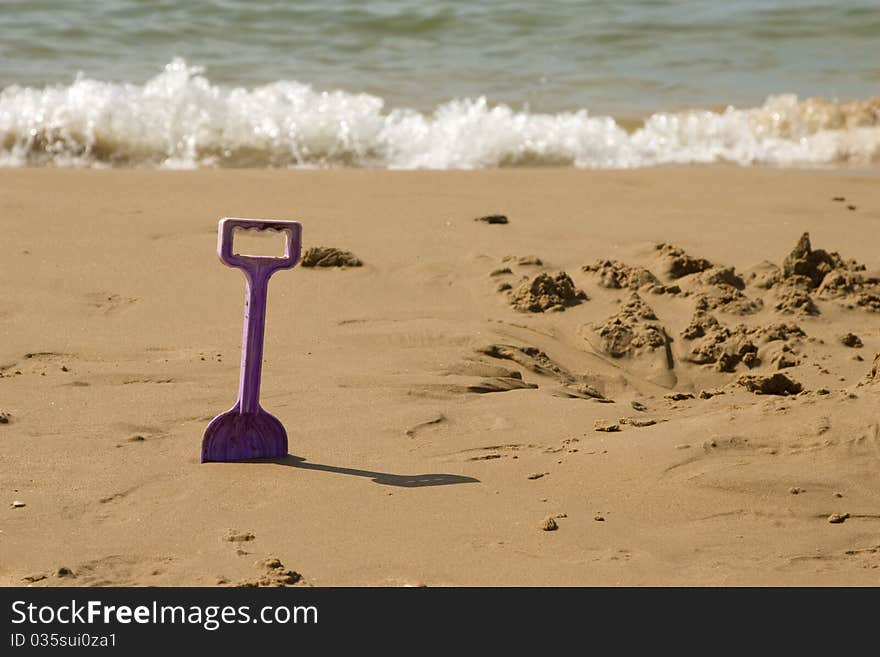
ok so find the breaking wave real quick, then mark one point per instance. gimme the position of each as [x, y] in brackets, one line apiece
[179, 119]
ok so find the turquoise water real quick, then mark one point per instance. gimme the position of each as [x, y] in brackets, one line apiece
[412, 84]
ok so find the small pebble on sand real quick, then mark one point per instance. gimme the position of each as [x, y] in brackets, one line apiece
[837, 518]
[17, 504]
[796, 490]
[548, 524]
[537, 475]
[605, 425]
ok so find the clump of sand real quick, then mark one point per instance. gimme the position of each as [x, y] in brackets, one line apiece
[720, 288]
[713, 287]
[546, 291]
[807, 271]
[616, 275]
[274, 574]
[727, 347]
[772, 384]
[727, 299]
[634, 328]
[804, 262]
[715, 343]
[676, 263]
[613, 274]
[328, 256]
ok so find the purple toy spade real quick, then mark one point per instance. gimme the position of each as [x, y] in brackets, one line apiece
[246, 431]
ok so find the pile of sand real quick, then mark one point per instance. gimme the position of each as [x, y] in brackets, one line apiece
[631, 330]
[711, 342]
[615, 275]
[546, 291]
[676, 263]
[806, 272]
[328, 256]
[720, 288]
[773, 384]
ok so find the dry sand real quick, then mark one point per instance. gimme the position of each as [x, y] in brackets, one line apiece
[437, 432]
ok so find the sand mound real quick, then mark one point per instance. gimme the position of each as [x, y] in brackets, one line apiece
[806, 271]
[633, 329]
[840, 283]
[720, 288]
[794, 300]
[774, 384]
[328, 256]
[727, 347]
[869, 301]
[615, 275]
[727, 299]
[677, 263]
[764, 275]
[545, 291]
[274, 575]
[716, 276]
[716, 343]
[804, 261]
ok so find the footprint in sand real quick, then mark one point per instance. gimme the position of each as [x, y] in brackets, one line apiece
[434, 421]
[119, 570]
[109, 303]
[38, 362]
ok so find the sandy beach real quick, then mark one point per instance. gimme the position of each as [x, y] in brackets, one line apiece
[441, 425]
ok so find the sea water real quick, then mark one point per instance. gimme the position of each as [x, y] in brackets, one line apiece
[443, 84]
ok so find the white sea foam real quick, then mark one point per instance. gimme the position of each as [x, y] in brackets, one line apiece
[179, 119]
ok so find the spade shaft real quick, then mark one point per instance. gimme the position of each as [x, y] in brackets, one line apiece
[252, 341]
